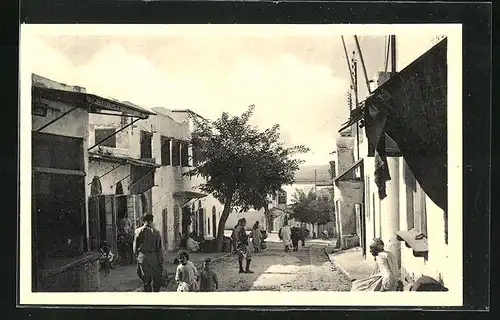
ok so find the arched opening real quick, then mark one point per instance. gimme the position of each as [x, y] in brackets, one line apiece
[95, 187]
[119, 188]
[145, 204]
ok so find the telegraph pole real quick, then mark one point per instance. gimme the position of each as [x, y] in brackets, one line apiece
[356, 101]
[315, 179]
[393, 54]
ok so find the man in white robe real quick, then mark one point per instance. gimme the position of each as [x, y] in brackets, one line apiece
[285, 235]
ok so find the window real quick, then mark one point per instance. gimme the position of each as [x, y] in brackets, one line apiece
[165, 151]
[208, 225]
[102, 134]
[146, 138]
[176, 153]
[282, 197]
[184, 154]
[123, 120]
[416, 217]
[54, 151]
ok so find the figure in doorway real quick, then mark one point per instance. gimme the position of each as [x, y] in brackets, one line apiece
[125, 240]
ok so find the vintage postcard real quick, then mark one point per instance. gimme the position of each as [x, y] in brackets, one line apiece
[239, 165]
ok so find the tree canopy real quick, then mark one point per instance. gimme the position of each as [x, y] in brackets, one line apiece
[242, 165]
[309, 208]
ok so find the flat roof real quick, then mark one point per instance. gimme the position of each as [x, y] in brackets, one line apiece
[92, 102]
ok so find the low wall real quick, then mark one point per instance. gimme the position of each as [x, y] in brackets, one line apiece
[79, 274]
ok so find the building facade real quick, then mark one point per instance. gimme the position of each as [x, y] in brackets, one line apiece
[155, 155]
[404, 158]
[65, 260]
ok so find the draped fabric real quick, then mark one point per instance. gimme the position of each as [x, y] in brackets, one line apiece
[411, 108]
[374, 127]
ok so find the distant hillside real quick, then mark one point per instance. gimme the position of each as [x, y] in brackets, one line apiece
[306, 173]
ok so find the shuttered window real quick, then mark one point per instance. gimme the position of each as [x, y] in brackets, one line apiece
[416, 217]
[176, 153]
[165, 151]
[184, 154]
[146, 139]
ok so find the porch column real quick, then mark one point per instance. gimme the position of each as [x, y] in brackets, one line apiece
[390, 211]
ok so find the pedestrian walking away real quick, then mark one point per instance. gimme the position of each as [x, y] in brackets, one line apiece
[242, 246]
[256, 236]
[208, 278]
[285, 235]
[186, 274]
[296, 235]
[147, 248]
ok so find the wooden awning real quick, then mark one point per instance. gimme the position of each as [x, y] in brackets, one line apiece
[122, 159]
[92, 102]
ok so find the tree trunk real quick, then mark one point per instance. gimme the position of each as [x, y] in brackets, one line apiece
[222, 224]
[269, 220]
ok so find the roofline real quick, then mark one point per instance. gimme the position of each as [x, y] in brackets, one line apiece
[188, 111]
[92, 101]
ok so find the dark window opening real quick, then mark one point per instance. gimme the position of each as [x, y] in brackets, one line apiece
[282, 197]
[176, 153]
[102, 134]
[165, 151]
[146, 138]
[184, 154]
[54, 151]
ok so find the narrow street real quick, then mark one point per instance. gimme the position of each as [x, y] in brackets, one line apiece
[274, 270]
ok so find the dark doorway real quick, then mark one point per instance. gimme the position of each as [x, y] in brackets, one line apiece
[214, 222]
[201, 223]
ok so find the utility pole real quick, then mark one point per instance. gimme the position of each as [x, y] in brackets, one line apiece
[315, 177]
[356, 101]
[393, 54]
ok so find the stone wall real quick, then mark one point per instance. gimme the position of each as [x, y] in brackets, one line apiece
[81, 275]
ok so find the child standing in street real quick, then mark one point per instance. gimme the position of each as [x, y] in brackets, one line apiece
[208, 278]
[186, 274]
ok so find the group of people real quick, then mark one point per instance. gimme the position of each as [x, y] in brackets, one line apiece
[147, 247]
[291, 236]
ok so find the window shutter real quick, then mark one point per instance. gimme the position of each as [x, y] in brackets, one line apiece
[165, 151]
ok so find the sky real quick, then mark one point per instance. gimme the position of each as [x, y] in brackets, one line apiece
[299, 82]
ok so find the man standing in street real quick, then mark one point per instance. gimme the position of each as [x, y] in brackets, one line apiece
[242, 246]
[148, 250]
[285, 234]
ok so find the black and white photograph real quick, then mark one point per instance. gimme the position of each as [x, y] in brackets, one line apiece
[241, 164]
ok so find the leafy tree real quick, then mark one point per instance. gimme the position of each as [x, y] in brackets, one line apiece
[308, 208]
[240, 164]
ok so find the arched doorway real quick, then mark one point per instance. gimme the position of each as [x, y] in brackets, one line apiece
[214, 222]
[119, 188]
[95, 187]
